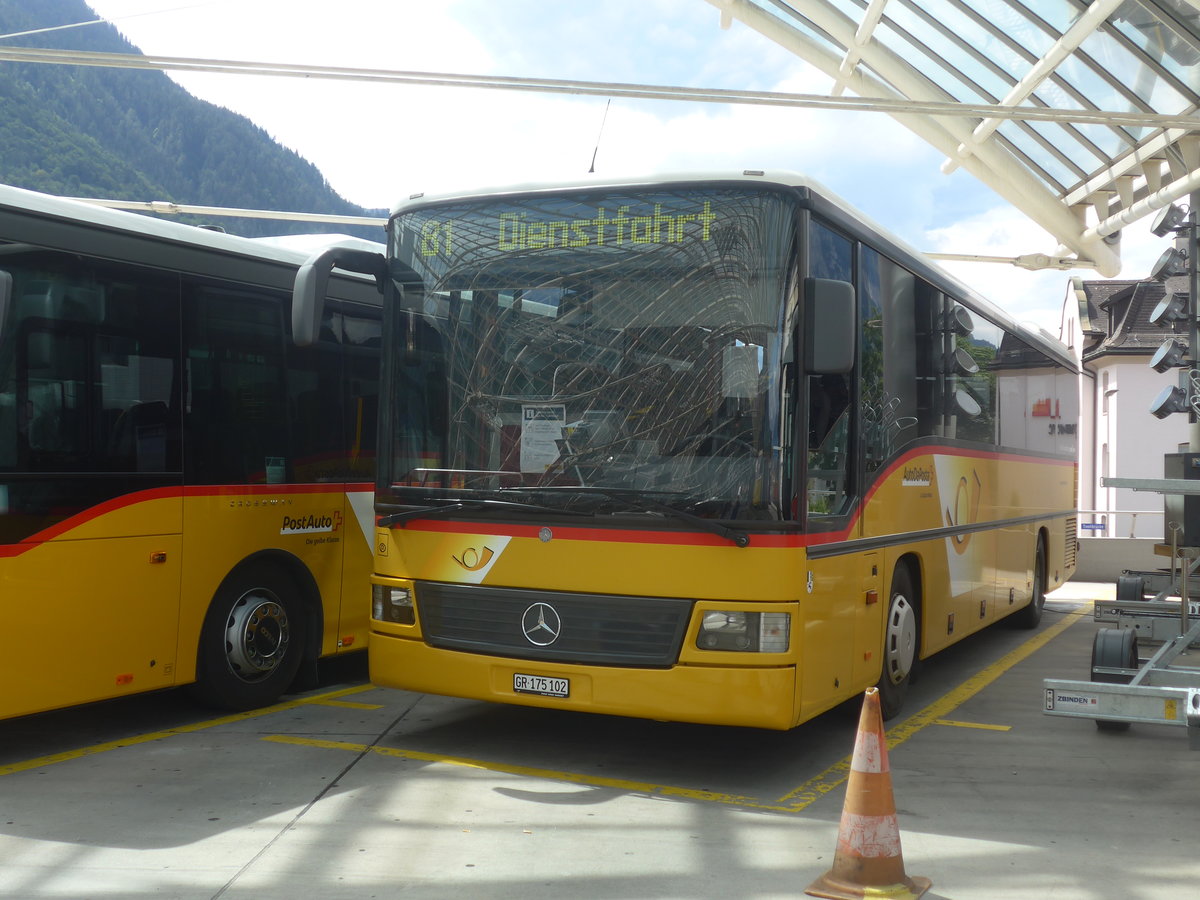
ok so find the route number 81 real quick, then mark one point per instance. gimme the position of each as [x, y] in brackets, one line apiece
[436, 238]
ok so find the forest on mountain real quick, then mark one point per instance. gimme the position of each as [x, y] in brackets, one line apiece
[129, 134]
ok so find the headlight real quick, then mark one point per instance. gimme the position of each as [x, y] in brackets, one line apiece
[392, 604]
[748, 632]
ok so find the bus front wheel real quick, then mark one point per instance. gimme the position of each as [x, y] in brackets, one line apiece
[900, 639]
[252, 640]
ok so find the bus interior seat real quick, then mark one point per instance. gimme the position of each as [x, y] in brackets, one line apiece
[139, 437]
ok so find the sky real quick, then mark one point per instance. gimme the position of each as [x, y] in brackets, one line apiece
[378, 143]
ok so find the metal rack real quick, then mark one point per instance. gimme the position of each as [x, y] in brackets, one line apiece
[1163, 689]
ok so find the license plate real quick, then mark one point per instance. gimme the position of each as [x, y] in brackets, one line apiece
[540, 684]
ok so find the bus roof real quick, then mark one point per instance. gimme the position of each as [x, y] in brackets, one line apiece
[290, 250]
[819, 197]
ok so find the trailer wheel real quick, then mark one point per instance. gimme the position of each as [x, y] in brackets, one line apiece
[252, 639]
[1114, 648]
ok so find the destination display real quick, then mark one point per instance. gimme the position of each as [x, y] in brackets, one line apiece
[454, 233]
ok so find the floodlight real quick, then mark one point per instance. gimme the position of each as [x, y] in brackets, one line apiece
[1169, 356]
[1169, 219]
[1173, 399]
[959, 320]
[1173, 262]
[966, 404]
[1170, 309]
[962, 362]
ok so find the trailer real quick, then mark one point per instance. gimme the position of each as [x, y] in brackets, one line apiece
[1153, 610]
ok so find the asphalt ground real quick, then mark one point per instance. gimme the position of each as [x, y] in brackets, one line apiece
[355, 792]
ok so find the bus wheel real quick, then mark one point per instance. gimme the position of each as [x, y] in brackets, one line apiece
[252, 640]
[1029, 616]
[899, 644]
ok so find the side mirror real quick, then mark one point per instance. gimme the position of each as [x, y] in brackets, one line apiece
[312, 284]
[829, 326]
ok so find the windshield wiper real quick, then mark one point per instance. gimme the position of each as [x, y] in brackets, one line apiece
[647, 503]
[452, 506]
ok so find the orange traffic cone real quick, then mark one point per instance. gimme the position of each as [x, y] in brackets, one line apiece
[868, 862]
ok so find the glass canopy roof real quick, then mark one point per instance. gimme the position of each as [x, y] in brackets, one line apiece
[1083, 116]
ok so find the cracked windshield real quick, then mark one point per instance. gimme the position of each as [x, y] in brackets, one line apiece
[611, 352]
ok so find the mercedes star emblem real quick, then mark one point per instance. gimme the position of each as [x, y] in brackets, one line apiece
[541, 624]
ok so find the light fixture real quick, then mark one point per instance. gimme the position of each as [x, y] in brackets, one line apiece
[962, 362]
[1169, 219]
[1172, 399]
[1171, 308]
[966, 404]
[1169, 356]
[959, 321]
[1173, 262]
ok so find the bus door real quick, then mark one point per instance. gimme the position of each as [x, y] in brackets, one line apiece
[833, 575]
[90, 506]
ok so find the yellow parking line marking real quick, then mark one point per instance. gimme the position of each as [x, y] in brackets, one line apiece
[955, 724]
[346, 704]
[793, 802]
[835, 776]
[620, 784]
[134, 740]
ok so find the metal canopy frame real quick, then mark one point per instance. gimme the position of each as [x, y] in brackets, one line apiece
[1082, 116]
[1082, 180]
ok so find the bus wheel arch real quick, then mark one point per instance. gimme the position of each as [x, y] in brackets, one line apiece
[901, 636]
[262, 623]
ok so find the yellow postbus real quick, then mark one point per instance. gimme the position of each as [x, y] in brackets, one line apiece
[709, 449]
[185, 495]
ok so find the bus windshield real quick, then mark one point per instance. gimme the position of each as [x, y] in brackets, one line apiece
[619, 352]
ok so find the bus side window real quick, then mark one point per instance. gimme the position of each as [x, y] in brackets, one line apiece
[829, 443]
[236, 374]
[8, 384]
[830, 473]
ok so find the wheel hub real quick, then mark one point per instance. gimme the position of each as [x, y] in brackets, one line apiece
[900, 647]
[256, 637]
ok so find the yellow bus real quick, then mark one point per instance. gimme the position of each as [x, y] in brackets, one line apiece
[185, 496]
[710, 449]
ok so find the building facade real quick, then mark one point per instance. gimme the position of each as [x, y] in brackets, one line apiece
[1107, 324]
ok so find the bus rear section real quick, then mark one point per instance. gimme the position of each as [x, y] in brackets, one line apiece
[185, 496]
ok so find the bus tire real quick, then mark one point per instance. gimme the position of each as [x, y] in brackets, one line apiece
[901, 636]
[1030, 616]
[252, 639]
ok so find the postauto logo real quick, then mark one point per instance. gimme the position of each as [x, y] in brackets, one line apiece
[313, 523]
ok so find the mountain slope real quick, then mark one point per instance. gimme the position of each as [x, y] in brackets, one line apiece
[137, 135]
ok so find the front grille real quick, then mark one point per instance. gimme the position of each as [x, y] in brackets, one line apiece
[595, 628]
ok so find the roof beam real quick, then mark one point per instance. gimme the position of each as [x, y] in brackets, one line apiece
[1185, 180]
[862, 37]
[1093, 17]
[872, 98]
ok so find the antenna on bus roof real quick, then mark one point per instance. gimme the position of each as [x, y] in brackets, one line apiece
[603, 119]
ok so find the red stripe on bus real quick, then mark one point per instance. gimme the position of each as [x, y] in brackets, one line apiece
[166, 493]
[602, 534]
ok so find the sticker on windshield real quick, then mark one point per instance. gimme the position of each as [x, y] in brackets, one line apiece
[541, 429]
